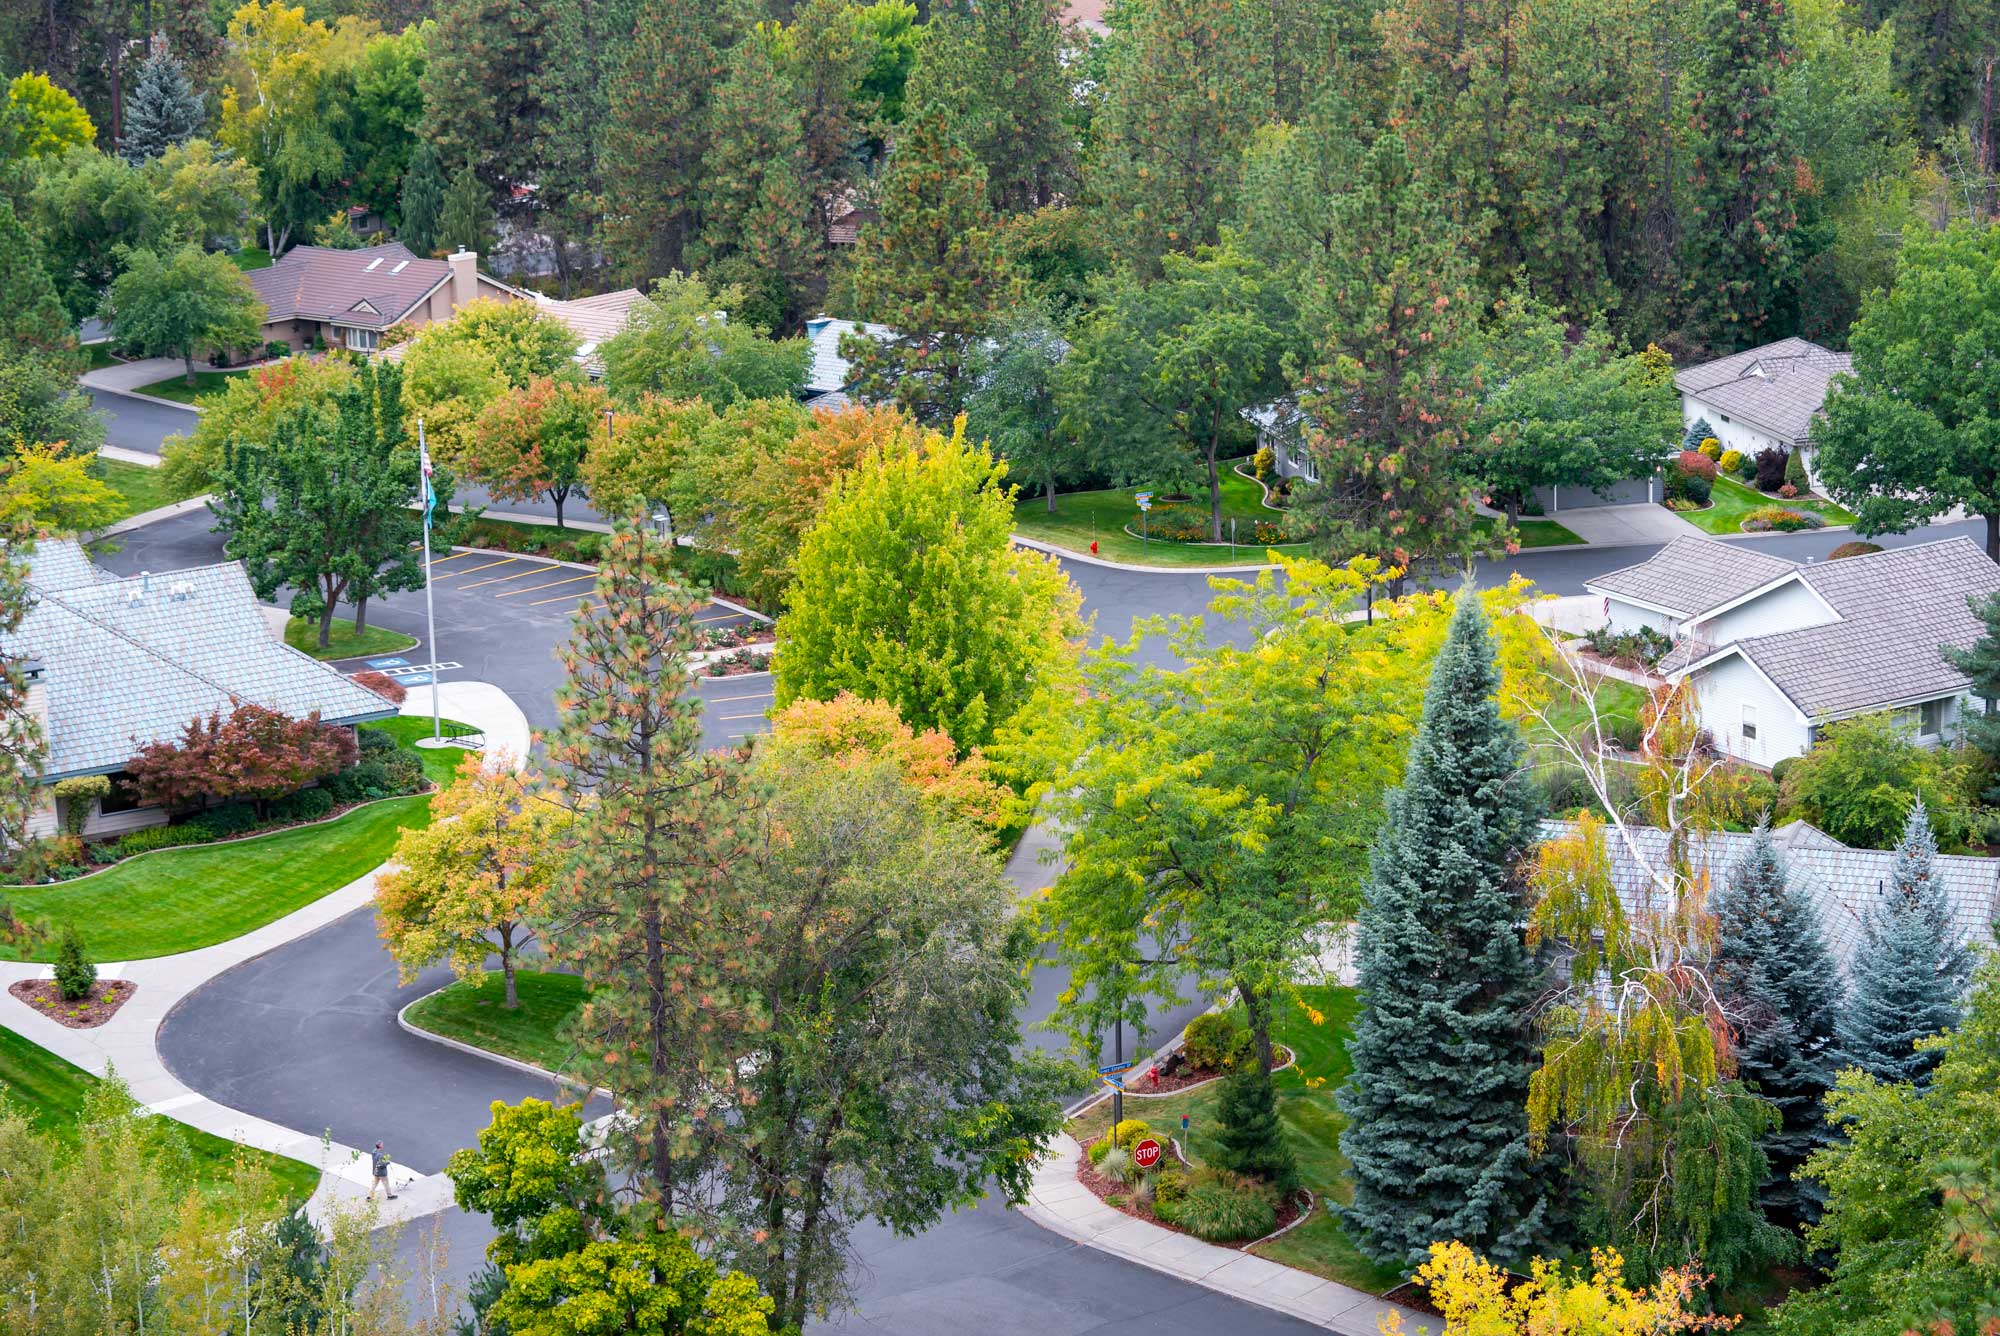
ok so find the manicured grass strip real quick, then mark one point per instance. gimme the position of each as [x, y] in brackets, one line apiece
[140, 488]
[1537, 533]
[440, 763]
[252, 257]
[100, 355]
[1618, 706]
[50, 1092]
[475, 1014]
[207, 385]
[1083, 516]
[1313, 1123]
[1731, 503]
[177, 900]
[303, 636]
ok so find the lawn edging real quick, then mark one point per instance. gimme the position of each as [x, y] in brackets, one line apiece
[404, 1022]
[1066, 554]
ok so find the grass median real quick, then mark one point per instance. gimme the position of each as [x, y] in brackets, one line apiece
[474, 1013]
[343, 643]
[140, 488]
[175, 900]
[207, 385]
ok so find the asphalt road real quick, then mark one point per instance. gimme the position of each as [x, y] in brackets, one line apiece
[140, 424]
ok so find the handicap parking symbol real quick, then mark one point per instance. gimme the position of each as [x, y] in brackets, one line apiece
[388, 663]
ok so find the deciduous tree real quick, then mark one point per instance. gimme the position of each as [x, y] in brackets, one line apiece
[251, 753]
[49, 489]
[248, 409]
[1475, 1295]
[1016, 408]
[40, 120]
[179, 303]
[275, 111]
[471, 883]
[908, 590]
[534, 442]
[1437, 1124]
[852, 733]
[674, 345]
[32, 319]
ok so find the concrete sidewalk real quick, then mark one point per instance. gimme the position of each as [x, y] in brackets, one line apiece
[1057, 1202]
[128, 1042]
[131, 377]
[1621, 526]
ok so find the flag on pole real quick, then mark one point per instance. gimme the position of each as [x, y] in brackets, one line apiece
[424, 467]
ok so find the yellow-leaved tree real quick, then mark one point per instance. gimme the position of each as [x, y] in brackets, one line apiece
[852, 732]
[1477, 1298]
[469, 884]
[45, 488]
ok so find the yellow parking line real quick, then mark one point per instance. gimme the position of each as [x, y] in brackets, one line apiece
[558, 598]
[724, 700]
[754, 714]
[470, 569]
[456, 556]
[718, 617]
[503, 579]
[550, 585]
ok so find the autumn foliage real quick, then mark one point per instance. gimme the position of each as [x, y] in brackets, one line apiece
[252, 753]
[1477, 1298]
[855, 733]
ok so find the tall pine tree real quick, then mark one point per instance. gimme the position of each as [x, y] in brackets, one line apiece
[465, 221]
[929, 270]
[1738, 243]
[826, 53]
[1911, 969]
[162, 109]
[422, 201]
[32, 319]
[1981, 664]
[757, 222]
[656, 135]
[1001, 65]
[1780, 989]
[1437, 1123]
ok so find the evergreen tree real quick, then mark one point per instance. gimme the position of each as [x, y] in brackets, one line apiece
[929, 270]
[1738, 245]
[194, 34]
[1186, 92]
[1249, 1135]
[1981, 665]
[162, 109]
[422, 201]
[1000, 64]
[465, 220]
[1782, 993]
[1437, 1128]
[489, 94]
[1911, 969]
[32, 318]
[757, 217]
[826, 53]
[656, 134]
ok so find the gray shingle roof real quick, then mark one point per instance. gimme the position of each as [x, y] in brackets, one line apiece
[1779, 387]
[593, 319]
[829, 371]
[1896, 608]
[1842, 883]
[320, 283]
[1691, 575]
[130, 661]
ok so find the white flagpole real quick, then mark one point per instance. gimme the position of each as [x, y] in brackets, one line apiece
[430, 607]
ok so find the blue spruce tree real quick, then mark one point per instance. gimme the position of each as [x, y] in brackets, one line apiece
[1437, 1129]
[1778, 984]
[162, 110]
[1911, 969]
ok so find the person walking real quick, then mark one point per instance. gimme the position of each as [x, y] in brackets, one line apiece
[381, 1179]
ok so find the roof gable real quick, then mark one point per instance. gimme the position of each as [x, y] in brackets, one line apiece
[1690, 576]
[1779, 387]
[378, 284]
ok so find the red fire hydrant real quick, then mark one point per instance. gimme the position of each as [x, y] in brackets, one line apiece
[1154, 1074]
[1093, 547]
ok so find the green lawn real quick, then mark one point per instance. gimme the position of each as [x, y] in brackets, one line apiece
[440, 763]
[1537, 533]
[100, 355]
[303, 635]
[1083, 516]
[51, 1093]
[177, 900]
[1312, 1124]
[207, 385]
[1618, 703]
[1732, 501]
[140, 488]
[252, 257]
[475, 1014]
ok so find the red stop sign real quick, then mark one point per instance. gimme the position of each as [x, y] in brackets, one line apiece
[1146, 1154]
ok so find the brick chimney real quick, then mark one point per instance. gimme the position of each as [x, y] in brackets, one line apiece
[464, 277]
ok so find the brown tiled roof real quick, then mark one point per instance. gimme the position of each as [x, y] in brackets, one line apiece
[370, 288]
[1779, 387]
[1692, 575]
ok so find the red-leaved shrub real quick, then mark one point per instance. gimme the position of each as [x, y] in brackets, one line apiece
[383, 685]
[254, 754]
[1696, 463]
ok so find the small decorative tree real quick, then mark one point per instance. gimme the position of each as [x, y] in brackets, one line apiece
[74, 971]
[1696, 434]
[255, 754]
[1249, 1136]
[76, 796]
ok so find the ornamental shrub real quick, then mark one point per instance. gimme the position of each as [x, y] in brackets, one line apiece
[305, 805]
[1697, 432]
[1697, 489]
[1711, 447]
[75, 796]
[1731, 462]
[370, 779]
[1780, 519]
[1788, 491]
[1853, 549]
[1770, 470]
[1696, 463]
[1213, 1041]
[1795, 471]
[226, 820]
[74, 972]
[1117, 1166]
[1223, 1207]
[405, 769]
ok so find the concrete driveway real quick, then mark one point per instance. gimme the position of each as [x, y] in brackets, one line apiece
[1624, 525]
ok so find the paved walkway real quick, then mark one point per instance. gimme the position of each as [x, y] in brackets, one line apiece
[131, 377]
[1056, 1201]
[482, 705]
[1614, 526]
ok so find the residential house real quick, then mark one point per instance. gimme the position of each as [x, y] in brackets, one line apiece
[829, 376]
[1841, 883]
[348, 298]
[1777, 649]
[595, 320]
[846, 215]
[1765, 399]
[114, 663]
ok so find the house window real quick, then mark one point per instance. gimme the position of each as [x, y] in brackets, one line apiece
[361, 340]
[121, 797]
[1749, 723]
[1931, 719]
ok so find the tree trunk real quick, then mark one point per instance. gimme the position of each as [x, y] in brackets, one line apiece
[1993, 535]
[513, 998]
[1214, 491]
[1050, 490]
[1257, 1010]
[360, 615]
[187, 359]
[326, 625]
[559, 497]
[1513, 509]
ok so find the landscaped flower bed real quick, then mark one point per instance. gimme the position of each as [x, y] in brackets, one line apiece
[734, 665]
[96, 1007]
[1160, 1199]
[1780, 519]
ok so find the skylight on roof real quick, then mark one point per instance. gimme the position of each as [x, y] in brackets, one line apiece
[370, 266]
[401, 265]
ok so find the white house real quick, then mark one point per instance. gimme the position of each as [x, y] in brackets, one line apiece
[114, 663]
[1776, 649]
[1767, 398]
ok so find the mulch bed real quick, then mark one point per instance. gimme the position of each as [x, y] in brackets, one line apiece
[106, 996]
[1178, 1074]
[1103, 1189]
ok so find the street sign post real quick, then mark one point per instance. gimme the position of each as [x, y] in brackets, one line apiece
[1145, 500]
[1114, 1069]
[1146, 1154]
